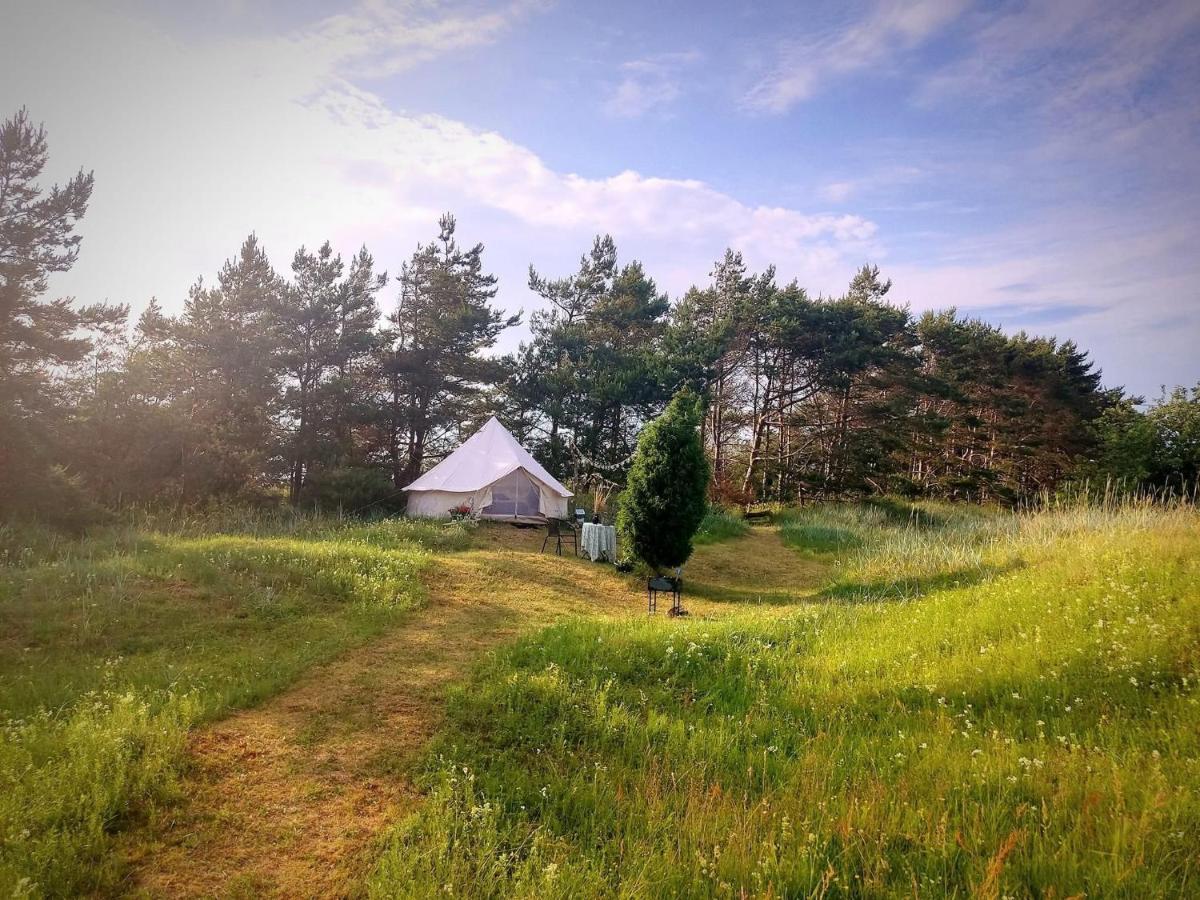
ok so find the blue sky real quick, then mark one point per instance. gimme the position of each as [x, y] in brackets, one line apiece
[1036, 164]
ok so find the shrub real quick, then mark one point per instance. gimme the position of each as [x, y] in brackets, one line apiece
[352, 490]
[664, 499]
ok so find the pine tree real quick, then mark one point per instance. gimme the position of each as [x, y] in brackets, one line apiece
[434, 370]
[325, 329]
[226, 365]
[37, 337]
[561, 344]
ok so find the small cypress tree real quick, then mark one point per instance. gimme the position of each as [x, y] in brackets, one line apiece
[665, 497]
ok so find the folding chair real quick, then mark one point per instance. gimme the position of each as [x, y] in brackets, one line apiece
[560, 531]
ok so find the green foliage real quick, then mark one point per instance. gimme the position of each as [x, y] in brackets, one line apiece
[1127, 444]
[594, 371]
[34, 492]
[1031, 733]
[1176, 418]
[665, 497]
[71, 777]
[324, 323]
[1007, 417]
[115, 644]
[1147, 451]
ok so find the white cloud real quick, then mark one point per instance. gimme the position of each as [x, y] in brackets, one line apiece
[1126, 291]
[195, 145]
[801, 65]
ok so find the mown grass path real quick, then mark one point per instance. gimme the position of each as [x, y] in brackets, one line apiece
[289, 798]
[286, 798]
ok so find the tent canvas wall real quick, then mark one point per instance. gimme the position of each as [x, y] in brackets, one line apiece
[493, 475]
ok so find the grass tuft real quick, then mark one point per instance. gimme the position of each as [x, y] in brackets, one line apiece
[719, 524]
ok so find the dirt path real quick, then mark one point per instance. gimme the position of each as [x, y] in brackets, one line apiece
[753, 570]
[290, 798]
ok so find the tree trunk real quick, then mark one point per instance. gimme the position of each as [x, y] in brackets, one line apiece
[299, 454]
[760, 427]
[394, 436]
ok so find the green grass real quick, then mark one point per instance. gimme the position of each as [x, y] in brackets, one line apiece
[720, 524]
[979, 704]
[976, 703]
[113, 646]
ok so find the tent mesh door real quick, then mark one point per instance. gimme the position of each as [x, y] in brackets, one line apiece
[514, 495]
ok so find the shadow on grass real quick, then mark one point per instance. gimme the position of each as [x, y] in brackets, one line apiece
[816, 538]
[721, 593]
[908, 588]
[897, 512]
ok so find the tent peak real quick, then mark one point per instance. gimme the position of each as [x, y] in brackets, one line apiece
[485, 457]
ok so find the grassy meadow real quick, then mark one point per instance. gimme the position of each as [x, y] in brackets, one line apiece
[112, 647]
[976, 705]
[872, 699]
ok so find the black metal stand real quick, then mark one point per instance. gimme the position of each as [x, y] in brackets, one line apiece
[661, 585]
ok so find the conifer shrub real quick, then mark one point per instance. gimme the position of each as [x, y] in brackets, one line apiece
[665, 497]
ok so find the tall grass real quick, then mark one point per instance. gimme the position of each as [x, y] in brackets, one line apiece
[719, 524]
[113, 646]
[1030, 729]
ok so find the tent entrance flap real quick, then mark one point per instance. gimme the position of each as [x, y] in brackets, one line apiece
[515, 495]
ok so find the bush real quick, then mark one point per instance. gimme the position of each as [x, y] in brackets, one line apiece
[48, 495]
[352, 490]
[665, 496]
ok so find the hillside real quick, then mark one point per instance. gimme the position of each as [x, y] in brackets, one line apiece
[868, 699]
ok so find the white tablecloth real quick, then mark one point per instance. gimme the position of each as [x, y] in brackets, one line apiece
[599, 542]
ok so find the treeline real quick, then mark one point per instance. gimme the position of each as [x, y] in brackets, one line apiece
[334, 384]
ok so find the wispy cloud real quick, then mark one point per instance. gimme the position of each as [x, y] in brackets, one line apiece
[377, 38]
[1104, 82]
[802, 64]
[839, 191]
[282, 136]
[648, 84]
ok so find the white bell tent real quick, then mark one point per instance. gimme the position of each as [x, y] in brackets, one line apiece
[493, 475]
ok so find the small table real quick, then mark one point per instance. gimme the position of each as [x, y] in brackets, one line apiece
[599, 542]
